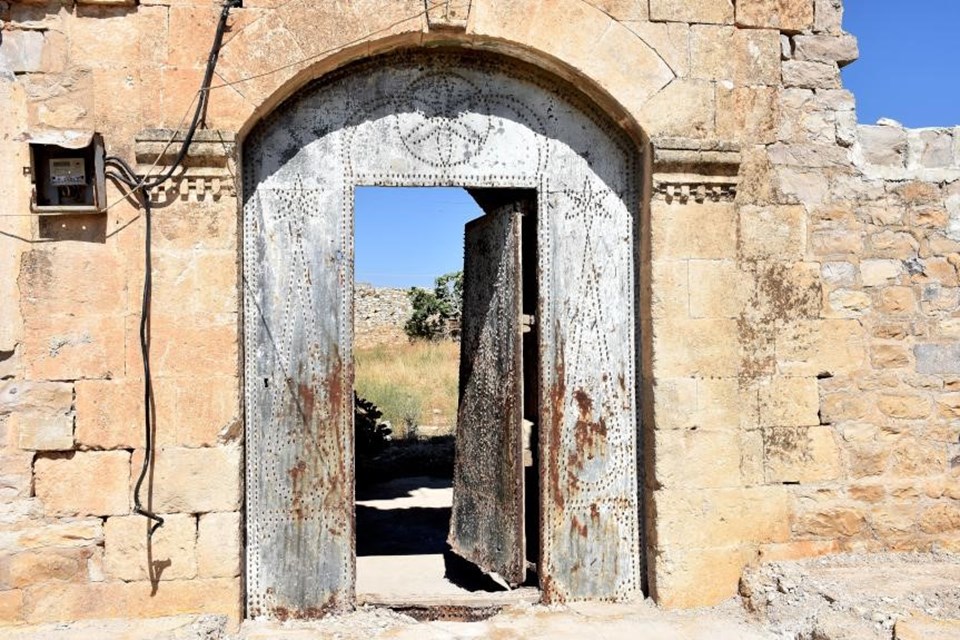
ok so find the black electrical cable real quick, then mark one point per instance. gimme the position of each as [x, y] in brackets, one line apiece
[140, 188]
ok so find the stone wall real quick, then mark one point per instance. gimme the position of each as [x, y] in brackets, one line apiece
[801, 379]
[379, 314]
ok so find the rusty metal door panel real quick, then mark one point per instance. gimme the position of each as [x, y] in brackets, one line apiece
[588, 409]
[486, 523]
[300, 462]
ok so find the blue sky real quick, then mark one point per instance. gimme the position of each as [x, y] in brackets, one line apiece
[909, 70]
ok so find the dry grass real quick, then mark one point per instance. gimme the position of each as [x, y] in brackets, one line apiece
[413, 383]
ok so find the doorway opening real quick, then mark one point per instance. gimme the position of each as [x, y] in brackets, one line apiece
[446, 354]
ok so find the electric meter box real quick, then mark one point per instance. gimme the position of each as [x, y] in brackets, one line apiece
[66, 169]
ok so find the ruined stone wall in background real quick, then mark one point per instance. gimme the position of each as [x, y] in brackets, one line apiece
[379, 314]
[801, 375]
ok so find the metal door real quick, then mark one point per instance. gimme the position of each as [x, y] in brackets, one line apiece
[486, 524]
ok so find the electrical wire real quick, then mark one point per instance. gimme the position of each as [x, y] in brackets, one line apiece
[142, 185]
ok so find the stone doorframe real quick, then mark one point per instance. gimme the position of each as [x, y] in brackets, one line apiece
[437, 117]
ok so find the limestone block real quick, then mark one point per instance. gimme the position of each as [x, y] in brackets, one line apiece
[896, 301]
[84, 483]
[891, 244]
[831, 522]
[811, 347]
[940, 518]
[110, 413]
[836, 243]
[826, 48]
[788, 291]
[59, 534]
[684, 108]
[744, 56]
[948, 405]
[789, 402]
[716, 289]
[772, 232]
[128, 553]
[876, 273]
[786, 15]
[686, 578]
[811, 75]
[801, 186]
[847, 303]
[934, 148]
[805, 454]
[696, 11]
[22, 51]
[748, 114]
[696, 459]
[683, 403]
[913, 457]
[698, 519]
[73, 346]
[706, 347]
[218, 545]
[845, 407]
[58, 601]
[47, 431]
[16, 473]
[904, 406]
[829, 16]
[624, 9]
[194, 282]
[11, 606]
[102, 39]
[706, 231]
[671, 41]
[888, 356]
[670, 289]
[883, 145]
[36, 567]
[195, 480]
[838, 274]
[185, 346]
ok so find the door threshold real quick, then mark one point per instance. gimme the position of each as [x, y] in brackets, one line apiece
[462, 608]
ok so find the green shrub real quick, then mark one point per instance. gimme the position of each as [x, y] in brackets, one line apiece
[435, 311]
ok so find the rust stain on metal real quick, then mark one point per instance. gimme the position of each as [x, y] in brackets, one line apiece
[558, 394]
[297, 473]
[590, 434]
[578, 527]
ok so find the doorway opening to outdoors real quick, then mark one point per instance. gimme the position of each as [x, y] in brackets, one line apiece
[446, 355]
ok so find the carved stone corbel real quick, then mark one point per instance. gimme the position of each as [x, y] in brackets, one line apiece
[685, 170]
[207, 171]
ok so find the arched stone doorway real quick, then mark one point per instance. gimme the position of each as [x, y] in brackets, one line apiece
[426, 118]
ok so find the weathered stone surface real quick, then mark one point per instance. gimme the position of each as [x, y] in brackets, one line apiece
[786, 15]
[840, 49]
[745, 56]
[130, 554]
[876, 273]
[883, 146]
[684, 108]
[36, 567]
[707, 232]
[84, 483]
[921, 627]
[747, 113]
[772, 232]
[790, 402]
[801, 454]
[40, 414]
[829, 16]
[811, 75]
[696, 11]
[937, 358]
[22, 51]
[697, 459]
[65, 601]
[195, 480]
[218, 545]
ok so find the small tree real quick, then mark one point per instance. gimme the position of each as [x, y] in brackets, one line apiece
[434, 311]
